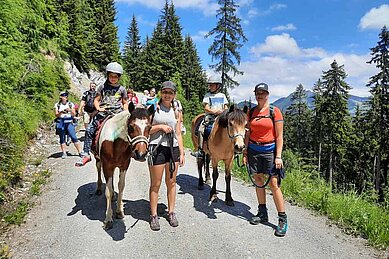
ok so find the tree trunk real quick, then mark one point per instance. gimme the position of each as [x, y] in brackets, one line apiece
[330, 169]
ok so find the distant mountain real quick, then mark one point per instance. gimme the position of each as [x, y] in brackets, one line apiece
[284, 102]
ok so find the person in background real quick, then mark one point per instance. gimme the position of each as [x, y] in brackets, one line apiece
[152, 99]
[132, 96]
[146, 94]
[111, 98]
[166, 155]
[86, 106]
[264, 140]
[64, 112]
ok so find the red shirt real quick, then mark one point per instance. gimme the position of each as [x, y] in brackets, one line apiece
[262, 129]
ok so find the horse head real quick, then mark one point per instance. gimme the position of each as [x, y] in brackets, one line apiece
[139, 125]
[235, 120]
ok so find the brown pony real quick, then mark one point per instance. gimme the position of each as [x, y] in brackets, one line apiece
[122, 137]
[226, 139]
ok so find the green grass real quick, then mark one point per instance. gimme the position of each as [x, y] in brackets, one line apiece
[40, 179]
[16, 217]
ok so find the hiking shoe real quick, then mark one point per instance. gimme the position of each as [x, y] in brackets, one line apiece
[282, 226]
[261, 217]
[198, 154]
[172, 218]
[64, 155]
[154, 223]
[83, 161]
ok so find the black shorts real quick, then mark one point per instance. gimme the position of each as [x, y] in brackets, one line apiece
[163, 154]
[260, 162]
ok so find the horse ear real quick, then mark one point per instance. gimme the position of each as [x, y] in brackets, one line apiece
[232, 108]
[245, 109]
[131, 107]
[151, 109]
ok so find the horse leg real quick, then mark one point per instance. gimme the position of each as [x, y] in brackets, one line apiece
[108, 222]
[200, 163]
[99, 181]
[207, 174]
[122, 183]
[215, 175]
[229, 201]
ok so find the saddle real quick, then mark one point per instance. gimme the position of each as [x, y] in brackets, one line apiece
[207, 129]
[95, 142]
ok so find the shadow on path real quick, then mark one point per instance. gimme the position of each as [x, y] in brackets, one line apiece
[93, 207]
[188, 184]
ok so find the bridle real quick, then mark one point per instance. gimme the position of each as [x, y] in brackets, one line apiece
[138, 139]
[232, 137]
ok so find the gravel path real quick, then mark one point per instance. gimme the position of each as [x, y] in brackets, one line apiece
[66, 222]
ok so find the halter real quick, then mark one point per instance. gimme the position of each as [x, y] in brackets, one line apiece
[138, 139]
[232, 137]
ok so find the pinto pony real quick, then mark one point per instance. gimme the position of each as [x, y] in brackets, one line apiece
[226, 139]
[122, 137]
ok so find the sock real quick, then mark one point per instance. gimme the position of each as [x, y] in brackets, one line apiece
[282, 214]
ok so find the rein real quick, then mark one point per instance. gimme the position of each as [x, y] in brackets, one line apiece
[152, 150]
[250, 174]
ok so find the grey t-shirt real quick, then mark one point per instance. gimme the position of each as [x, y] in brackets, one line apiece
[165, 116]
[111, 96]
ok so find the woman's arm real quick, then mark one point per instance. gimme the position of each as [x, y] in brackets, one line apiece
[279, 127]
[180, 141]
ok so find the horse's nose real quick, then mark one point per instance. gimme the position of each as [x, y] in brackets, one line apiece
[140, 156]
[239, 148]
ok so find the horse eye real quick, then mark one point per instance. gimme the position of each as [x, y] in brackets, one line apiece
[130, 129]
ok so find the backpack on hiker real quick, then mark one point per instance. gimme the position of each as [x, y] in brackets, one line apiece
[89, 106]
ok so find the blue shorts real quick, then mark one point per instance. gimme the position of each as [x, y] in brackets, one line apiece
[68, 128]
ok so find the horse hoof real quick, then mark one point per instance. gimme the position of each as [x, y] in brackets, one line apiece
[108, 225]
[119, 214]
[213, 198]
[200, 187]
[99, 192]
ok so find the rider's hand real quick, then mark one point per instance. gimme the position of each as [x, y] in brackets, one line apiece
[101, 109]
[244, 159]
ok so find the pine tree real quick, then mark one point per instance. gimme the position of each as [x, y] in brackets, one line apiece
[379, 88]
[334, 119]
[193, 79]
[227, 42]
[298, 120]
[107, 47]
[131, 55]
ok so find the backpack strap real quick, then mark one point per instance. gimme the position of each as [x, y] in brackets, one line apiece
[270, 115]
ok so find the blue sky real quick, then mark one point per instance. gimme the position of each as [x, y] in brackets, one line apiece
[289, 42]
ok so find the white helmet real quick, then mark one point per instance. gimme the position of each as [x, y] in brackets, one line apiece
[114, 67]
[214, 80]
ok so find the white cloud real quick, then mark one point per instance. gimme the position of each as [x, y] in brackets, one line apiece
[376, 18]
[208, 7]
[199, 36]
[282, 64]
[252, 12]
[287, 27]
[284, 45]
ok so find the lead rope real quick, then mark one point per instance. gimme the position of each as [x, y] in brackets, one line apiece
[172, 164]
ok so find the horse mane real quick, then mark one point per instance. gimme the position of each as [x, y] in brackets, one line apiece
[139, 113]
[237, 115]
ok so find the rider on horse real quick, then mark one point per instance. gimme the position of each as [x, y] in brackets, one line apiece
[111, 98]
[214, 103]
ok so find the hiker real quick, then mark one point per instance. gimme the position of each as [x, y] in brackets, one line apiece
[264, 140]
[64, 112]
[86, 106]
[167, 153]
